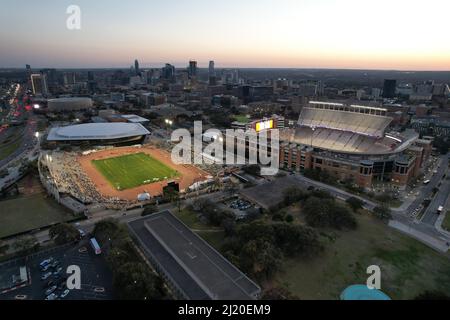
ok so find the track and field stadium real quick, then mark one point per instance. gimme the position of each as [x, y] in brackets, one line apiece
[109, 164]
[129, 171]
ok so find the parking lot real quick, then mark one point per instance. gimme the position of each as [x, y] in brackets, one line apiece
[96, 278]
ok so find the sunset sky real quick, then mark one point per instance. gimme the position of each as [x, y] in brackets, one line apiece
[359, 34]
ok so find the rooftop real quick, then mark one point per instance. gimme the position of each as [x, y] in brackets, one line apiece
[97, 131]
[197, 269]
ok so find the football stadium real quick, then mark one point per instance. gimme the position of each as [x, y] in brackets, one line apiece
[109, 165]
[353, 143]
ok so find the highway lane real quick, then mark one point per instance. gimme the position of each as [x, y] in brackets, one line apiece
[426, 191]
[431, 215]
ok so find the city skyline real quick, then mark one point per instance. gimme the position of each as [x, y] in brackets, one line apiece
[400, 35]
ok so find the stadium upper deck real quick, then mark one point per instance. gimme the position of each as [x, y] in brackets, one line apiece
[349, 129]
[362, 120]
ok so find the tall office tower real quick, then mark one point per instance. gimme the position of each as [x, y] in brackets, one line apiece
[212, 72]
[192, 69]
[168, 72]
[389, 88]
[39, 84]
[136, 67]
[28, 68]
[69, 78]
[92, 85]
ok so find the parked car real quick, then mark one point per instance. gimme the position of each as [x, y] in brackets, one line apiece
[46, 267]
[45, 262]
[62, 285]
[65, 293]
[46, 276]
[50, 290]
[52, 296]
[58, 270]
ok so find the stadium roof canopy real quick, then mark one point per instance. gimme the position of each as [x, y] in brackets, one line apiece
[97, 131]
[196, 269]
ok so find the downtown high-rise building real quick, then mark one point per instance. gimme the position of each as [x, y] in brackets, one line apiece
[212, 73]
[192, 69]
[39, 84]
[91, 84]
[69, 78]
[136, 67]
[168, 72]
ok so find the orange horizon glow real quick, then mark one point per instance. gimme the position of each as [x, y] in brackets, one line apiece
[409, 35]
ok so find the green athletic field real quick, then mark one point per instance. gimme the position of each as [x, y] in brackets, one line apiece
[133, 170]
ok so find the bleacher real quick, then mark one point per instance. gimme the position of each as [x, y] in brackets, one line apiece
[342, 141]
[355, 122]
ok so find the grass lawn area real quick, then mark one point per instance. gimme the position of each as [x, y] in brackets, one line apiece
[133, 170]
[213, 235]
[9, 149]
[241, 118]
[191, 219]
[30, 212]
[446, 222]
[407, 266]
[214, 238]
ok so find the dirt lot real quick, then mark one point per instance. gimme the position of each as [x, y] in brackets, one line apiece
[188, 174]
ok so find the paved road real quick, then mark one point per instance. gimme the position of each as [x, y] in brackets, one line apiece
[122, 216]
[430, 216]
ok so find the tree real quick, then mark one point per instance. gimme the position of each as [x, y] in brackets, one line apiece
[324, 213]
[292, 195]
[110, 233]
[260, 258]
[289, 218]
[134, 281]
[26, 245]
[383, 212]
[63, 233]
[150, 209]
[432, 295]
[278, 293]
[442, 145]
[296, 240]
[355, 203]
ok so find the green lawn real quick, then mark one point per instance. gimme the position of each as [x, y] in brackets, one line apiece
[30, 212]
[241, 118]
[133, 170]
[215, 236]
[407, 266]
[446, 222]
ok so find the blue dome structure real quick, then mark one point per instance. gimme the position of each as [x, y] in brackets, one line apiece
[362, 292]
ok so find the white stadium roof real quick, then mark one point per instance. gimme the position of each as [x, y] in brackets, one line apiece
[97, 131]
